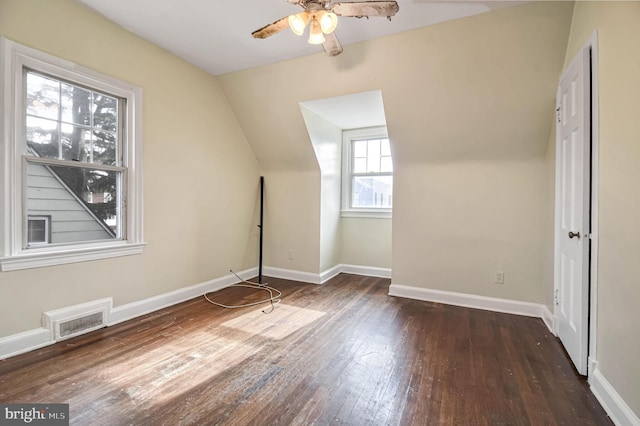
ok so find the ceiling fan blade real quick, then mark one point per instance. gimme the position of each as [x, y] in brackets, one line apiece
[271, 29]
[366, 8]
[331, 44]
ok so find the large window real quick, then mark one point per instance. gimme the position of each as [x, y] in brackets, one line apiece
[72, 155]
[367, 188]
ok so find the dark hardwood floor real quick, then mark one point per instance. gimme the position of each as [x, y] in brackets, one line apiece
[340, 353]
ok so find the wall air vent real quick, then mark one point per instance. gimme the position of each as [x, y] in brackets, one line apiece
[76, 320]
[80, 325]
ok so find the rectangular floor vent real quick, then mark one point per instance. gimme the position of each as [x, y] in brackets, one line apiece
[81, 325]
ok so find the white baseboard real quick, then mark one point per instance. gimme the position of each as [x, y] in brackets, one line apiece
[330, 273]
[30, 340]
[468, 300]
[321, 278]
[548, 319]
[617, 409]
[35, 339]
[593, 365]
[151, 304]
[369, 271]
[290, 274]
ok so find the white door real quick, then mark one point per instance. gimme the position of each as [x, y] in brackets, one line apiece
[572, 229]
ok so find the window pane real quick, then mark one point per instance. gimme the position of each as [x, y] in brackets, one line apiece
[372, 192]
[104, 148]
[76, 105]
[105, 114]
[373, 159]
[360, 148]
[85, 131]
[385, 147]
[360, 165]
[37, 231]
[386, 165]
[43, 96]
[76, 143]
[81, 202]
[42, 137]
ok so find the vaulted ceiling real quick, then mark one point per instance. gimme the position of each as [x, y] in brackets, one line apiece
[216, 35]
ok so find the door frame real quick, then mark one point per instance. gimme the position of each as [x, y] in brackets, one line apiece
[590, 282]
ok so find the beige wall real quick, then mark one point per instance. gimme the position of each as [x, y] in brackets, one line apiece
[292, 219]
[467, 104]
[618, 345]
[327, 144]
[200, 175]
[366, 242]
[471, 219]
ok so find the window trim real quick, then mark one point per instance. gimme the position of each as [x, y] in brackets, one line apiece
[13, 58]
[348, 136]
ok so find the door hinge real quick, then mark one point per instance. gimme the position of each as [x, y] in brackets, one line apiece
[556, 297]
[558, 114]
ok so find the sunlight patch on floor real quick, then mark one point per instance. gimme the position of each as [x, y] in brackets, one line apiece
[277, 325]
[184, 361]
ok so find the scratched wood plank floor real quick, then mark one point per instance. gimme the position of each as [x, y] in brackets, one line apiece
[340, 353]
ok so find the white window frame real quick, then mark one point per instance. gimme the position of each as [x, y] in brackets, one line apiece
[14, 58]
[348, 136]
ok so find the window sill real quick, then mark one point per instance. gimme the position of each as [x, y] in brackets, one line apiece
[70, 255]
[367, 214]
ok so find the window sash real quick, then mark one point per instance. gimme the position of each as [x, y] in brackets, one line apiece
[82, 205]
[375, 206]
[380, 157]
[92, 127]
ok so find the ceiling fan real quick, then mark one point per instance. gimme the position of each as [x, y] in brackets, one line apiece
[322, 17]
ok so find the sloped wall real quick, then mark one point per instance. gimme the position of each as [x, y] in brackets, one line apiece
[200, 175]
[326, 139]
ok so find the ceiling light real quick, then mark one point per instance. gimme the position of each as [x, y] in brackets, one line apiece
[328, 22]
[298, 22]
[315, 32]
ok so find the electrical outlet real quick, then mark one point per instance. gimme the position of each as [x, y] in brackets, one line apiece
[499, 277]
[290, 255]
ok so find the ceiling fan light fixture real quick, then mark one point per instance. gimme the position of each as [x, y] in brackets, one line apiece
[328, 22]
[315, 32]
[298, 22]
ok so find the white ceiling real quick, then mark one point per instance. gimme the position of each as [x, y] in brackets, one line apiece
[215, 35]
[351, 111]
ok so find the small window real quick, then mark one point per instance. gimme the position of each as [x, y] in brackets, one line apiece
[367, 173]
[39, 230]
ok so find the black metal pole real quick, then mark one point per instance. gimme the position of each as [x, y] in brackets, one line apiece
[261, 227]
